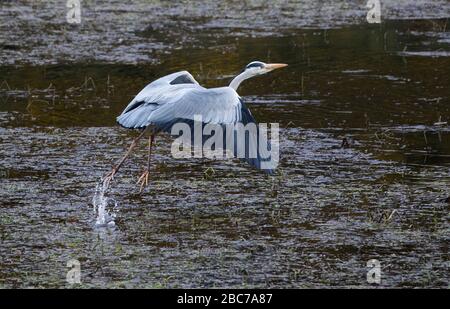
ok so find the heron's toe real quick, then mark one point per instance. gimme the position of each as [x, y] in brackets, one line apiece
[143, 181]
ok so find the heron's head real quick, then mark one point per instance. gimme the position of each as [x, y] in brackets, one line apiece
[254, 68]
[258, 68]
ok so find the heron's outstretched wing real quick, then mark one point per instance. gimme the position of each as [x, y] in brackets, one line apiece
[178, 95]
[151, 95]
[215, 105]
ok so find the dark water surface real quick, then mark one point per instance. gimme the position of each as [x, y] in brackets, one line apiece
[330, 208]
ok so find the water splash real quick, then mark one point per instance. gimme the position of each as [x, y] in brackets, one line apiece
[101, 202]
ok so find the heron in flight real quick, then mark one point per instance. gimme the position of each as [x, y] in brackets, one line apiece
[179, 97]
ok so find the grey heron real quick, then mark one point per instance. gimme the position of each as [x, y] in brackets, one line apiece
[179, 97]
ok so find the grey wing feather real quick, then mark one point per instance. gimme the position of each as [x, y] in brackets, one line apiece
[163, 101]
[216, 105]
[136, 114]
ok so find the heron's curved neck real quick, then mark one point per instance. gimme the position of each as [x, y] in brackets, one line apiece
[239, 79]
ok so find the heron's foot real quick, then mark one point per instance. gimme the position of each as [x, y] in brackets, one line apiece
[109, 177]
[143, 180]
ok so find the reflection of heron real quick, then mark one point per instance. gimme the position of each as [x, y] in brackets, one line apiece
[178, 97]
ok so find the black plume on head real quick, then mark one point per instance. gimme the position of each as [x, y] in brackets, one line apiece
[255, 64]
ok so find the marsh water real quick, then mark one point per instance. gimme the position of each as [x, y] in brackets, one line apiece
[364, 112]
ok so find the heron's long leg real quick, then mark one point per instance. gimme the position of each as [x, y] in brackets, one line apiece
[116, 167]
[143, 180]
[151, 140]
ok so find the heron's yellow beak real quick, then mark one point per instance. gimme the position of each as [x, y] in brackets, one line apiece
[273, 66]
